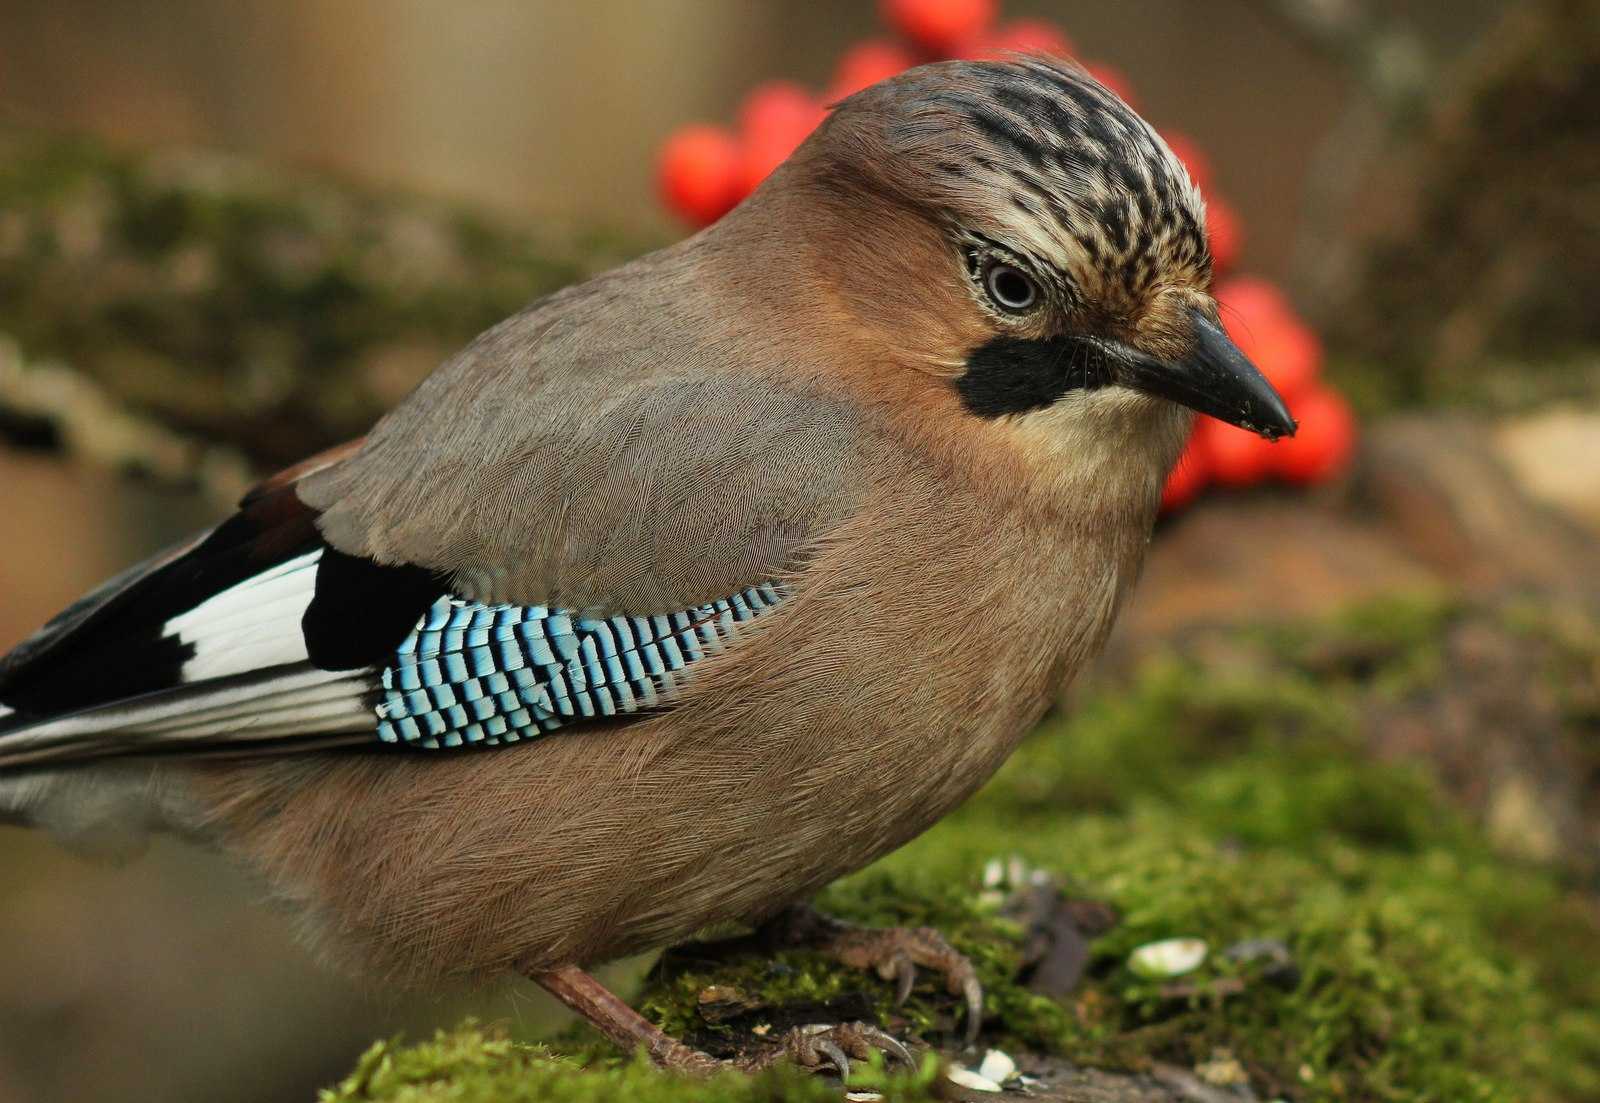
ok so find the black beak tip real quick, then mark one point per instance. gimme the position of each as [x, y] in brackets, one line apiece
[1276, 423]
[1263, 410]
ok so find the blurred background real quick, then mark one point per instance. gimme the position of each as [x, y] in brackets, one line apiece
[233, 233]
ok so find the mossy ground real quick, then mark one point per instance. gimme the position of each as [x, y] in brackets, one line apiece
[474, 1065]
[1210, 798]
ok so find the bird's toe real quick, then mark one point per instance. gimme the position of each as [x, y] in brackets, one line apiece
[824, 1047]
[896, 953]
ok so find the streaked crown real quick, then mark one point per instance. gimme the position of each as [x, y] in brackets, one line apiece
[1044, 160]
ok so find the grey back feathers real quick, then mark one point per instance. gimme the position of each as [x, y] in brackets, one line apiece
[628, 459]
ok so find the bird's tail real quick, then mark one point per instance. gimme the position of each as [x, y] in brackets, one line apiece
[228, 713]
[199, 648]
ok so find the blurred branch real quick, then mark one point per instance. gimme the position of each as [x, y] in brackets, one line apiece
[50, 405]
[1493, 248]
[1445, 213]
[227, 302]
[1389, 59]
[1392, 69]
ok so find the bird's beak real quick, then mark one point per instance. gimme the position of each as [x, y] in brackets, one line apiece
[1216, 379]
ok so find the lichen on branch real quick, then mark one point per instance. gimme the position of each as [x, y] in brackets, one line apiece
[235, 303]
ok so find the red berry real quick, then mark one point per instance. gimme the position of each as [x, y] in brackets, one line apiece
[1186, 479]
[1114, 79]
[938, 26]
[1249, 301]
[1325, 442]
[698, 173]
[1237, 457]
[780, 106]
[1265, 327]
[1020, 36]
[1198, 164]
[775, 119]
[1286, 351]
[759, 157]
[1225, 234]
[865, 64]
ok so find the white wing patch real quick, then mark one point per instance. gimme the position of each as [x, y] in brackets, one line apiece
[249, 626]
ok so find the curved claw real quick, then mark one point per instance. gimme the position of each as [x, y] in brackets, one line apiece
[896, 953]
[817, 1046]
[973, 992]
[890, 1045]
[835, 1055]
[905, 978]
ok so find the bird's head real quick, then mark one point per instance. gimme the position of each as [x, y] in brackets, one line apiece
[1017, 232]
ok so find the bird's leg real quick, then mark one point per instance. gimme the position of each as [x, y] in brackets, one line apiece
[622, 1025]
[893, 952]
[812, 1047]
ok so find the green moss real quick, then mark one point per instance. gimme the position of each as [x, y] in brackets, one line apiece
[789, 978]
[1573, 674]
[1392, 646]
[474, 1065]
[1228, 799]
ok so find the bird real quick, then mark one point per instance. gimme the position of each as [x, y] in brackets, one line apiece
[688, 589]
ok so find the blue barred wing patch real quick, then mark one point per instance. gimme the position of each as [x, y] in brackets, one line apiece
[472, 674]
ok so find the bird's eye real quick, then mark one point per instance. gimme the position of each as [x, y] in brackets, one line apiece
[1010, 288]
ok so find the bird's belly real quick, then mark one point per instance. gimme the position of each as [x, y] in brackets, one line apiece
[818, 747]
[589, 845]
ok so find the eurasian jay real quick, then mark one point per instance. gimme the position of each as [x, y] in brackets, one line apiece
[688, 589]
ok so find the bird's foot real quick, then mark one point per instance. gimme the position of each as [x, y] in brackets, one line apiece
[816, 1047]
[820, 1047]
[894, 953]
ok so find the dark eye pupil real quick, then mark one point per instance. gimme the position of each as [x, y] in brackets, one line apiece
[1010, 288]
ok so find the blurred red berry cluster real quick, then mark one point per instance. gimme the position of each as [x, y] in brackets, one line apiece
[705, 170]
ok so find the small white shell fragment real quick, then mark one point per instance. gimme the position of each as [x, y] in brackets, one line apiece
[997, 1066]
[863, 1097]
[1171, 957]
[1222, 1070]
[972, 1081]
